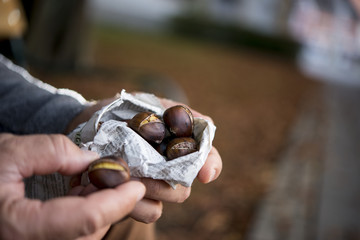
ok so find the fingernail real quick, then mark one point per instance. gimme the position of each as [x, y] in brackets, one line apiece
[141, 193]
[90, 155]
[212, 175]
[139, 197]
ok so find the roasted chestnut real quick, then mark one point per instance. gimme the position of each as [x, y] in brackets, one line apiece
[161, 148]
[108, 172]
[179, 121]
[149, 126]
[179, 147]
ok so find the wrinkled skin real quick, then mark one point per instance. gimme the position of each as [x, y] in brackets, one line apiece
[70, 217]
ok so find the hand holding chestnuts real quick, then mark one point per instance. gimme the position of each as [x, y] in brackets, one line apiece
[108, 172]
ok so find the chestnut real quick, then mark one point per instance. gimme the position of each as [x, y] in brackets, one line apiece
[149, 126]
[108, 172]
[179, 120]
[161, 148]
[179, 147]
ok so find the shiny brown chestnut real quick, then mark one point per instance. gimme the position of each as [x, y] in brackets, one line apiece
[180, 147]
[149, 126]
[108, 172]
[179, 121]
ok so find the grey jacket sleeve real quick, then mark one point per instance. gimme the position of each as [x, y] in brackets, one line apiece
[28, 105]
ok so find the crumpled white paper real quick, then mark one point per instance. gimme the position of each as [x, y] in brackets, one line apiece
[108, 134]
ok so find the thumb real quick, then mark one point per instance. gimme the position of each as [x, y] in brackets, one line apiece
[69, 217]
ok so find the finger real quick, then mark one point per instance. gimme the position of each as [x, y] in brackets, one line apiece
[42, 154]
[160, 190]
[87, 113]
[168, 102]
[82, 190]
[197, 114]
[212, 167]
[90, 188]
[147, 210]
[72, 217]
[97, 235]
[75, 191]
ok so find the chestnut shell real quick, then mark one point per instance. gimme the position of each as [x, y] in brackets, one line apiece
[179, 147]
[149, 126]
[108, 172]
[179, 121]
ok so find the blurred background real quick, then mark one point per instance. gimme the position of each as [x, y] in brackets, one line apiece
[280, 78]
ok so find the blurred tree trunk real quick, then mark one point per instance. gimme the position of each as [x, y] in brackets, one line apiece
[57, 34]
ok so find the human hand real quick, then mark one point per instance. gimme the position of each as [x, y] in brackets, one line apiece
[87, 113]
[150, 208]
[213, 165]
[60, 218]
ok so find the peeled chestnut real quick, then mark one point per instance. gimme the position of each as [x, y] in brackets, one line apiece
[179, 120]
[179, 147]
[149, 126]
[108, 172]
